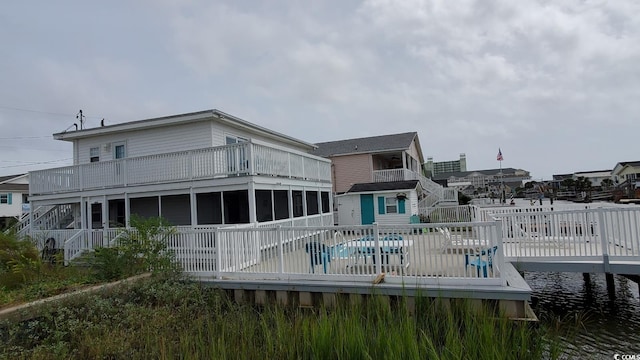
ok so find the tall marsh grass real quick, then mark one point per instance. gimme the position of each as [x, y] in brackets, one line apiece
[167, 319]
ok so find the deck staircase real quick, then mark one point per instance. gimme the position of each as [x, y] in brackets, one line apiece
[45, 218]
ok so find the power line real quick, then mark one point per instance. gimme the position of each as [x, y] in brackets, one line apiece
[26, 137]
[35, 163]
[43, 112]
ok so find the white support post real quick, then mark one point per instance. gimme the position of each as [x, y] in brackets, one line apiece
[105, 212]
[376, 240]
[252, 202]
[501, 262]
[604, 242]
[83, 213]
[280, 249]
[194, 208]
[218, 249]
[249, 156]
[125, 177]
[127, 210]
[304, 204]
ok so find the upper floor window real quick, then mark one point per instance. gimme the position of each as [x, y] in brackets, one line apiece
[5, 199]
[94, 154]
[231, 139]
[119, 151]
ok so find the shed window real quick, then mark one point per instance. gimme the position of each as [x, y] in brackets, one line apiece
[94, 154]
[391, 205]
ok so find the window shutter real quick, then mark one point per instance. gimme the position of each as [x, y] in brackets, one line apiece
[401, 206]
[381, 205]
[9, 198]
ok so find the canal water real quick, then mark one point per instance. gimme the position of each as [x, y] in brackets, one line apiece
[598, 323]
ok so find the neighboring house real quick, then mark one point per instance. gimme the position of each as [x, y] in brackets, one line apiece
[627, 173]
[14, 190]
[490, 179]
[204, 168]
[384, 203]
[595, 176]
[368, 161]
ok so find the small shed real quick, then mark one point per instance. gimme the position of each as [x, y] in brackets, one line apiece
[382, 202]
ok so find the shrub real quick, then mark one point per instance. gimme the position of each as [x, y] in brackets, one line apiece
[19, 261]
[140, 249]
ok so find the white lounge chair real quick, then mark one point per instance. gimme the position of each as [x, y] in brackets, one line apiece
[456, 242]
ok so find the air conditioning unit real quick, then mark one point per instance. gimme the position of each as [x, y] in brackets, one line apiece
[106, 147]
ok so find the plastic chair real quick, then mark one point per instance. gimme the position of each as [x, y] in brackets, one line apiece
[479, 261]
[393, 250]
[319, 254]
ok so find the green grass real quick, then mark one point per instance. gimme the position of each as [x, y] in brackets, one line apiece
[166, 319]
[51, 280]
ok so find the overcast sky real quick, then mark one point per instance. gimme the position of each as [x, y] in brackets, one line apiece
[554, 84]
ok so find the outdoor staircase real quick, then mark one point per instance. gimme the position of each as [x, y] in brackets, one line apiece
[45, 218]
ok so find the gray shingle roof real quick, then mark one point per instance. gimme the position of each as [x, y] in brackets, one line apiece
[15, 187]
[365, 145]
[630, 163]
[382, 186]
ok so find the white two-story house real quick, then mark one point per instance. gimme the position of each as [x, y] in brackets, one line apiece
[205, 168]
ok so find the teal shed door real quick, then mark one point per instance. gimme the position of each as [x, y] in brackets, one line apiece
[366, 209]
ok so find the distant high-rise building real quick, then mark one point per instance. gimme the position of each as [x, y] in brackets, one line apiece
[434, 168]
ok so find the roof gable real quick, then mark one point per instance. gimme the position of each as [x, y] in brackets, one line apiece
[371, 144]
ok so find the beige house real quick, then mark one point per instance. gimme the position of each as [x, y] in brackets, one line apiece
[360, 167]
[627, 172]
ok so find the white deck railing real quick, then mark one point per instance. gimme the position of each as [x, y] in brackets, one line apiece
[437, 193]
[460, 213]
[603, 234]
[247, 158]
[416, 254]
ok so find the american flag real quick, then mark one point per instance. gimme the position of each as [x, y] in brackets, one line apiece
[499, 157]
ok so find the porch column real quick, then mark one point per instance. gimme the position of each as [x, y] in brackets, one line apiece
[84, 224]
[194, 208]
[127, 209]
[290, 202]
[404, 165]
[304, 206]
[252, 202]
[105, 212]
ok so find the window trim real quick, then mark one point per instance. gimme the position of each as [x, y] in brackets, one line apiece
[115, 151]
[93, 156]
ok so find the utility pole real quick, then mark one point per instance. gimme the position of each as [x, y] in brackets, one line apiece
[81, 117]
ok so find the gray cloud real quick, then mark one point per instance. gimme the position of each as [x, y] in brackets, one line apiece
[554, 84]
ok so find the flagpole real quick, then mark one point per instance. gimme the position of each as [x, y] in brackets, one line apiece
[504, 196]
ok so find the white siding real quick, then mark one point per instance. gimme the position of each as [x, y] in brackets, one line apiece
[349, 208]
[13, 209]
[168, 139]
[220, 131]
[392, 219]
[148, 142]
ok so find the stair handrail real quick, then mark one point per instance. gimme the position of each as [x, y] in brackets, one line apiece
[75, 246]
